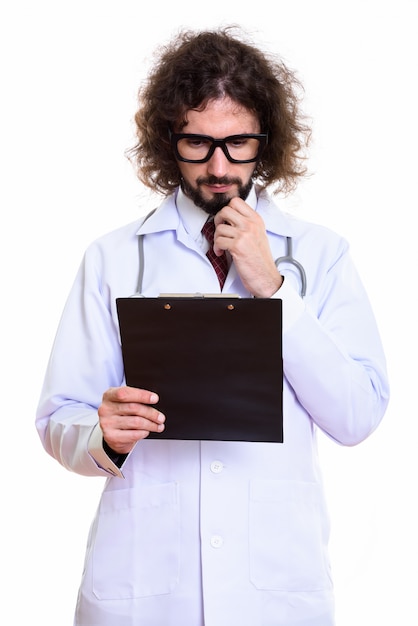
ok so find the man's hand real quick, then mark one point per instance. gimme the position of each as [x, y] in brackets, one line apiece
[241, 231]
[126, 415]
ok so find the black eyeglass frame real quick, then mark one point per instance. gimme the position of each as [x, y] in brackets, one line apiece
[218, 143]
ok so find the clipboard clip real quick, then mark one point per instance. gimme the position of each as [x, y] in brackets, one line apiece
[198, 295]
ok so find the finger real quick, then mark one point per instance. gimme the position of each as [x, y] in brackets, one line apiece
[130, 394]
[137, 422]
[122, 441]
[235, 209]
[125, 414]
[139, 417]
[122, 433]
[134, 409]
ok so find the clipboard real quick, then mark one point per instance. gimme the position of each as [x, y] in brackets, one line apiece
[215, 362]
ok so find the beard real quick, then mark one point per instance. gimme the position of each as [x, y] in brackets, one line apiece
[213, 206]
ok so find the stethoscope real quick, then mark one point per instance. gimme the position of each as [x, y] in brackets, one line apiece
[287, 258]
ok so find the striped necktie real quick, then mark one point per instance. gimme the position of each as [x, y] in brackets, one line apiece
[220, 263]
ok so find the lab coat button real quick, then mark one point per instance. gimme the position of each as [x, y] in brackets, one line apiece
[216, 541]
[216, 467]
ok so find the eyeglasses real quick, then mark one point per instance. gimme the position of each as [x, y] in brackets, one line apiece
[192, 148]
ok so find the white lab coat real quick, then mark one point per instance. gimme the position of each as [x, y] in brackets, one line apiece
[204, 532]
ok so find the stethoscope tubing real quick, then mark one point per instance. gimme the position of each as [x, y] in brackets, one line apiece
[288, 258]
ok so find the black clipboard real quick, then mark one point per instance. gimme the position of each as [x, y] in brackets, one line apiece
[215, 362]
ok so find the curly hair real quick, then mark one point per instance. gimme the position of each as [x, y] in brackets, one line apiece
[197, 67]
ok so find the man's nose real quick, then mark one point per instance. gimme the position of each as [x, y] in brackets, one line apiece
[218, 164]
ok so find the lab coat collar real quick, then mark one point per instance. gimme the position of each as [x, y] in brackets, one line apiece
[167, 215]
[164, 217]
[275, 220]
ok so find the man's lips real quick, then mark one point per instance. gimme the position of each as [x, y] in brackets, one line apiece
[218, 188]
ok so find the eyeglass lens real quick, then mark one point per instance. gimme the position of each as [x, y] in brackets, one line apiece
[239, 148]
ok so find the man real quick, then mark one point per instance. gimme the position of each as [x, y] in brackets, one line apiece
[213, 533]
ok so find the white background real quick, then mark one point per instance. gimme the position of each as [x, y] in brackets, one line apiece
[69, 76]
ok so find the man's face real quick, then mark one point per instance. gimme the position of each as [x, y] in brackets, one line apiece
[211, 185]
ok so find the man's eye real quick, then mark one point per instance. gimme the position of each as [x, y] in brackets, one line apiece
[197, 143]
[238, 143]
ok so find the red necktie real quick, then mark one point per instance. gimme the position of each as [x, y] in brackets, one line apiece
[220, 263]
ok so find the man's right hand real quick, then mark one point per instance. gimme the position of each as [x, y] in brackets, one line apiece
[126, 415]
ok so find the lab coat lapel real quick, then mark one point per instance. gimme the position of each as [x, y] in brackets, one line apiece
[165, 218]
[278, 225]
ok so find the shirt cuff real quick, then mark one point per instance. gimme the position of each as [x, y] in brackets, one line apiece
[97, 452]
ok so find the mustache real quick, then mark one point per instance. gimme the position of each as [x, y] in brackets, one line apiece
[214, 180]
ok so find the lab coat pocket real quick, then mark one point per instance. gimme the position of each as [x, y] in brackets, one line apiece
[288, 536]
[135, 551]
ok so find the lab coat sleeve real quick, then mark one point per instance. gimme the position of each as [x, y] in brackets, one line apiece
[333, 357]
[85, 361]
